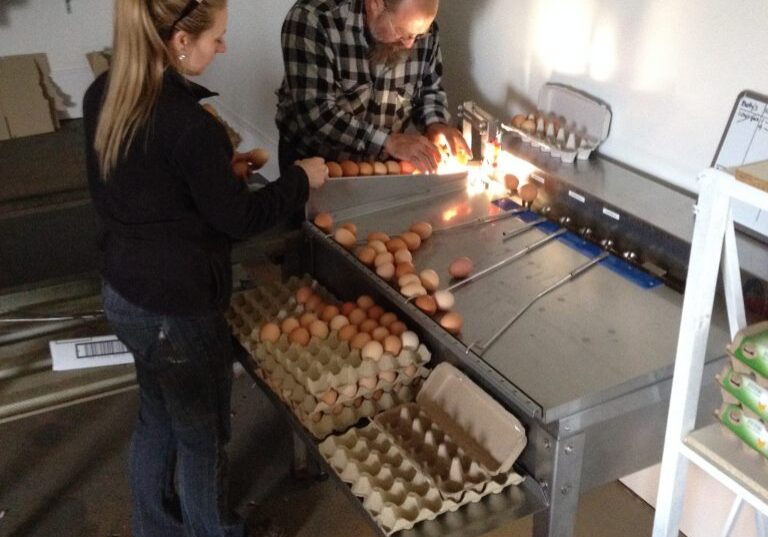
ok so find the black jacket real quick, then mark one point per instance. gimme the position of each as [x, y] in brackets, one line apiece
[172, 206]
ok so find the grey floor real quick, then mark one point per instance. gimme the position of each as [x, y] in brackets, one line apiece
[62, 473]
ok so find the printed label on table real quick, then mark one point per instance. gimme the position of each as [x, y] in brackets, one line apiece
[578, 197]
[611, 214]
[88, 352]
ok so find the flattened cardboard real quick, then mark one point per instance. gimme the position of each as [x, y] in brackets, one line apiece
[25, 89]
[755, 174]
[99, 62]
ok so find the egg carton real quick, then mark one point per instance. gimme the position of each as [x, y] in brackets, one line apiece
[584, 123]
[393, 489]
[434, 451]
[752, 432]
[742, 389]
[749, 352]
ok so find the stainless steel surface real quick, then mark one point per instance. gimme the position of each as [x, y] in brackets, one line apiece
[480, 348]
[583, 345]
[505, 236]
[480, 221]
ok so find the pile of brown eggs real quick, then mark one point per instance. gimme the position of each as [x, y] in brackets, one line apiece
[350, 168]
[391, 258]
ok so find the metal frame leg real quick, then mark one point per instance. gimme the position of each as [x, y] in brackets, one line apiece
[559, 520]
[738, 503]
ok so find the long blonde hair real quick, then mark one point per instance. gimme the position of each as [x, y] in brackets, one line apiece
[142, 34]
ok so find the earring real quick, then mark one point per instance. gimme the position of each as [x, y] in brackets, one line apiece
[182, 57]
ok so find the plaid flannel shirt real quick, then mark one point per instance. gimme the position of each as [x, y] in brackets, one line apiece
[333, 102]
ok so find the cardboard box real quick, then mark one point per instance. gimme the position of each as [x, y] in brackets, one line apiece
[99, 61]
[27, 96]
[755, 174]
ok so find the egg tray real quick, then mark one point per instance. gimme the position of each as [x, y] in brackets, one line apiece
[752, 432]
[330, 364]
[393, 489]
[434, 450]
[744, 369]
[565, 145]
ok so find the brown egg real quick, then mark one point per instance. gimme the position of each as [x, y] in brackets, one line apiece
[366, 168]
[258, 157]
[303, 294]
[345, 237]
[347, 332]
[319, 329]
[314, 303]
[461, 267]
[372, 351]
[422, 229]
[397, 328]
[299, 335]
[349, 168]
[413, 290]
[329, 312]
[338, 409]
[377, 395]
[528, 192]
[347, 307]
[386, 271]
[339, 322]
[378, 246]
[412, 240]
[359, 340]
[511, 182]
[334, 170]
[368, 325]
[350, 226]
[375, 312]
[383, 259]
[408, 279]
[518, 120]
[324, 221]
[404, 268]
[430, 280]
[393, 344]
[378, 334]
[452, 322]
[395, 244]
[365, 302]
[393, 167]
[379, 168]
[369, 383]
[528, 126]
[366, 255]
[406, 167]
[378, 236]
[426, 304]
[357, 316]
[270, 333]
[387, 319]
[240, 169]
[289, 324]
[307, 318]
[403, 256]
[387, 376]
[329, 397]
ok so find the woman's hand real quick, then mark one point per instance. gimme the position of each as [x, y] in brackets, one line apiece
[316, 170]
[444, 135]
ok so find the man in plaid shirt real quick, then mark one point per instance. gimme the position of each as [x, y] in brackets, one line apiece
[357, 74]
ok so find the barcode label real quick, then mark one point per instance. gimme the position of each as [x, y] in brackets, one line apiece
[101, 348]
[578, 197]
[610, 213]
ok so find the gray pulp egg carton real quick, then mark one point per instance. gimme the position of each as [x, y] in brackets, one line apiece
[570, 123]
[456, 432]
[392, 487]
[328, 385]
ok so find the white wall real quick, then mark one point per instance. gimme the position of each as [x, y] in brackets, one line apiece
[31, 26]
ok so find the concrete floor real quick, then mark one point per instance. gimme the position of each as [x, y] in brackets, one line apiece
[62, 473]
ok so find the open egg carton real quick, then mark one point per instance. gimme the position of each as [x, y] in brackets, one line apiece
[568, 124]
[328, 384]
[455, 444]
[392, 487]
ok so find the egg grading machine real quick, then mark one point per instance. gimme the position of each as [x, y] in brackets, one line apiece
[588, 368]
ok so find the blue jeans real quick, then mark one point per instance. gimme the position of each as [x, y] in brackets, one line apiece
[177, 461]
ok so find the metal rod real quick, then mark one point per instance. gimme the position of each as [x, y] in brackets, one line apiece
[509, 259]
[45, 318]
[522, 229]
[481, 348]
[482, 220]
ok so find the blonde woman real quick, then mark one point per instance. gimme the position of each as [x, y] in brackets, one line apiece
[160, 175]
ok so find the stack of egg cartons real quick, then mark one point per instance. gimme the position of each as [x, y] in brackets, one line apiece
[330, 382]
[744, 386]
[452, 447]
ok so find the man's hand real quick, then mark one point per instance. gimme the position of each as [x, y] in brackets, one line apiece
[316, 170]
[442, 134]
[414, 148]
